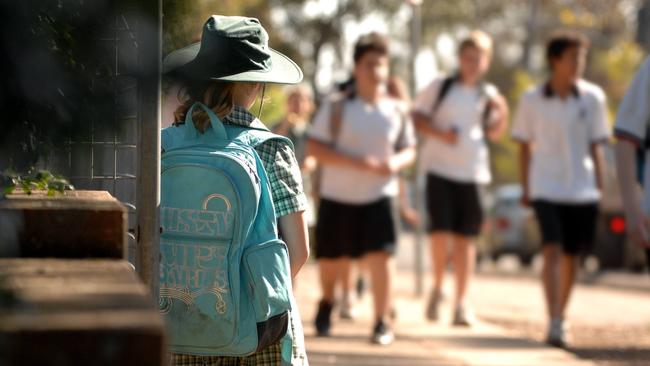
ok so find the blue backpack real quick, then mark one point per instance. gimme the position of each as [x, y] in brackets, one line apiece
[225, 280]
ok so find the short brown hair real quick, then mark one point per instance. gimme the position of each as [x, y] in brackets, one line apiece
[371, 42]
[479, 40]
[561, 41]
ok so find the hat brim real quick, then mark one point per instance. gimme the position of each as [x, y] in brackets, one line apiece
[283, 69]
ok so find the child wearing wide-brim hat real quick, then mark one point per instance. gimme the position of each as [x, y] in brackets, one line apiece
[226, 71]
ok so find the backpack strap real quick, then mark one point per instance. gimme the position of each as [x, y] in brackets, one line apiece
[445, 87]
[254, 135]
[336, 118]
[402, 127]
[487, 110]
[186, 134]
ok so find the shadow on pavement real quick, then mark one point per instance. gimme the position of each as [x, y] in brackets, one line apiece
[489, 342]
[469, 341]
[629, 354]
[322, 358]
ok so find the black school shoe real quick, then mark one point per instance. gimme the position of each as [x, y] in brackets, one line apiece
[323, 318]
[382, 334]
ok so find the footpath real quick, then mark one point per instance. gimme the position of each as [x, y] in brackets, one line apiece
[418, 342]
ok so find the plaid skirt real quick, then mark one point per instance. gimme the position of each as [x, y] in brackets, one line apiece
[271, 356]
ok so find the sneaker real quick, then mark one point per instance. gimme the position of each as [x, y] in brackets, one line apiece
[382, 334]
[323, 318]
[347, 309]
[463, 317]
[557, 333]
[432, 307]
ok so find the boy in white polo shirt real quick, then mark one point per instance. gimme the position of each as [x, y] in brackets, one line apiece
[361, 152]
[560, 125]
[632, 127]
[455, 115]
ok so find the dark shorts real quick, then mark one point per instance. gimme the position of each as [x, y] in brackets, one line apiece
[453, 206]
[347, 230]
[571, 225]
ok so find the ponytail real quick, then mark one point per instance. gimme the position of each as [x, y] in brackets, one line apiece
[217, 95]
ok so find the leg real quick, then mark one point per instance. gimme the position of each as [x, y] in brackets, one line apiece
[346, 278]
[439, 245]
[329, 272]
[553, 290]
[569, 265]
[464, 264]
[441, 209]
[551, 253]
[380, 266]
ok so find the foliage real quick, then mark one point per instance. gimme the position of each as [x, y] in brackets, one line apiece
[503, 153]
[41, 180]
[613, 70]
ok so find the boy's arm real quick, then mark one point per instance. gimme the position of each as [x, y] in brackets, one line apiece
[638, 221]
[599, 164]
[422, 124]
[327, 155]
[401, 160]
[498, 128]
[295, 235]
[524, 163]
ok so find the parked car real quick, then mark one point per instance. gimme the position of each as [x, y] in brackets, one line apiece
[612, 247]
[511, 227]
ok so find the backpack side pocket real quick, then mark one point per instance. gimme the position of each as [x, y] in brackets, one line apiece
[267, 276]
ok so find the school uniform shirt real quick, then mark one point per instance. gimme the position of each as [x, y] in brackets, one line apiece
[462, 110]
[633, 119]
[367, 130]
[560, 133]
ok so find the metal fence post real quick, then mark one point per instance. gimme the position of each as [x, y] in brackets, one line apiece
[148, 178]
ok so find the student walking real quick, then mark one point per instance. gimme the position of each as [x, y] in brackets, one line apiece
[633, 142]
[294, 126]
[225, 276]
[560, 125]
[455, 115]
[362, 141]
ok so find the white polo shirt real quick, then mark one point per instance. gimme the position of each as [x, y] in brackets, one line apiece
[560, 133]
[461, 109]
[633, 119]
[366, 130]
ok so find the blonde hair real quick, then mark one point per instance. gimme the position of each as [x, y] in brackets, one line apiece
[479, 40]
[219, 96]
